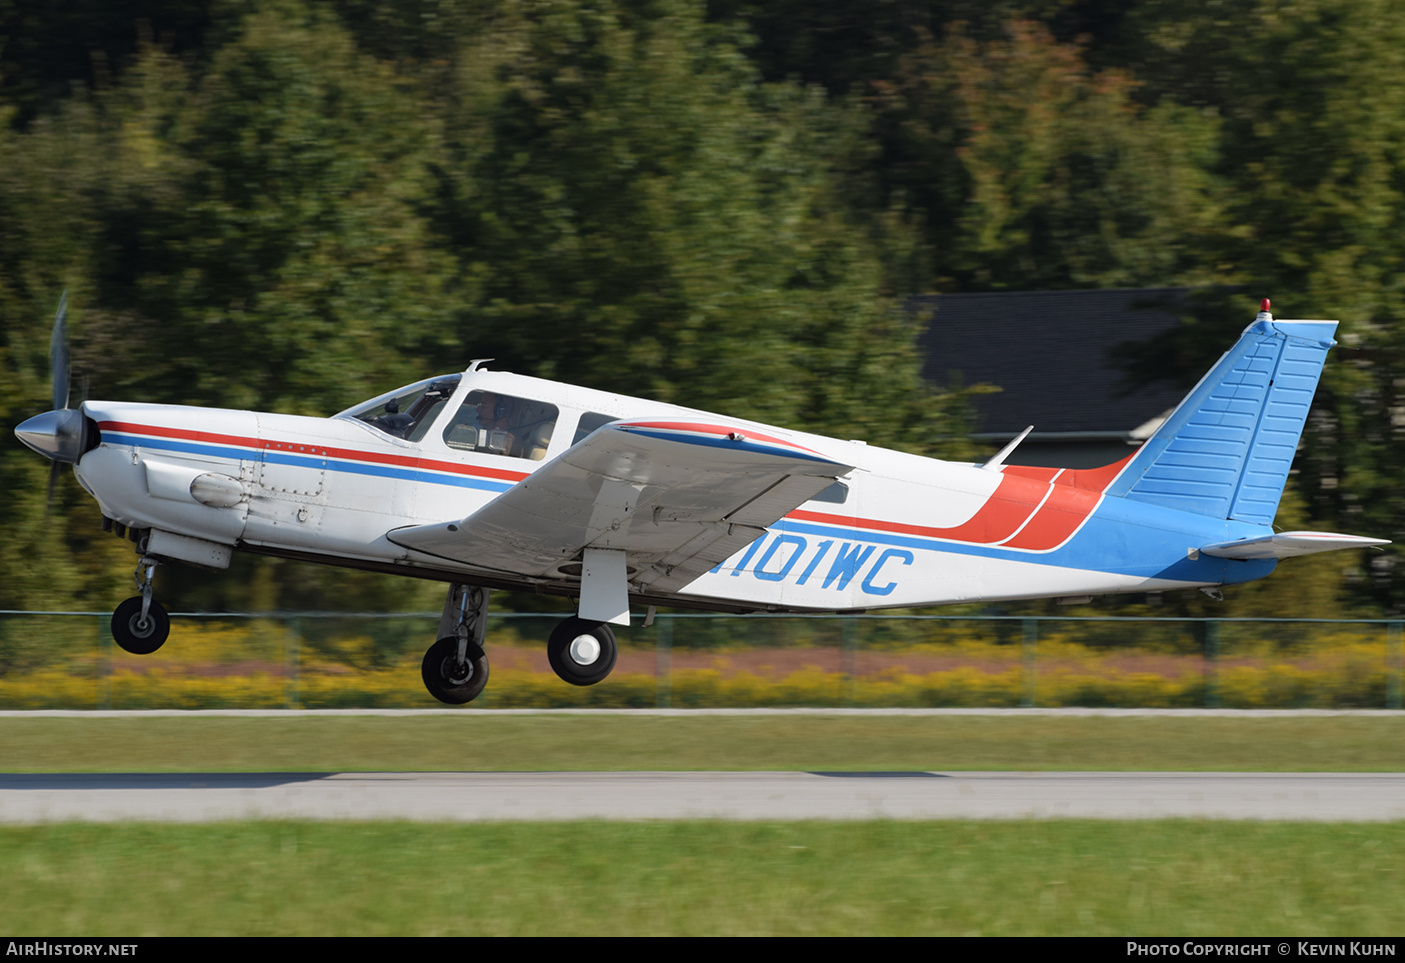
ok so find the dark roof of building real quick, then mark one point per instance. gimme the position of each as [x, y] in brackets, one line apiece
[1049, 353]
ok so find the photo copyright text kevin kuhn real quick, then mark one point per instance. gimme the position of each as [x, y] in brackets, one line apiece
[1272, 948]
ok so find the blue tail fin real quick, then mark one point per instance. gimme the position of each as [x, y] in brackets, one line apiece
[1227, 448]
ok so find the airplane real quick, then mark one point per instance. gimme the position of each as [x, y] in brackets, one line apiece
[491, 480]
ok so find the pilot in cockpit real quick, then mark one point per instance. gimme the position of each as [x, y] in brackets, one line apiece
[492, 411]
[499, 424]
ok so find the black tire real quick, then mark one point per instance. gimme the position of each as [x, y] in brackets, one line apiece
[454, 684]
[574, 668]
[134, 636]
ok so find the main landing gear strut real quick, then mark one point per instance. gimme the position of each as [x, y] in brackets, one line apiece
[455, 668]
[140, 625]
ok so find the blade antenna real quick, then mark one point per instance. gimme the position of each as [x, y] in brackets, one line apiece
[997, 462]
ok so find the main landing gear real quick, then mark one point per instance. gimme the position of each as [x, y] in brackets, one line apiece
[455, 668]
[581, 652]
[140, 625]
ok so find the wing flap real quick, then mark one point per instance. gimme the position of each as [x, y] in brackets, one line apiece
[676, 498]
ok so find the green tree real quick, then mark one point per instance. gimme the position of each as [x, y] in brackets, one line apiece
[247, 235]
[291, 247]
[646, 216]
[1032, 171]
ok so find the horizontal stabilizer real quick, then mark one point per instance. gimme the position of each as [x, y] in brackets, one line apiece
[1288, 544]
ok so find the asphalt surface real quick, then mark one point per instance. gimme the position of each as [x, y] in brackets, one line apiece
[466, 797]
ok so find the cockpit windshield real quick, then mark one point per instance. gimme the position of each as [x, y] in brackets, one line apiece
[409, 411]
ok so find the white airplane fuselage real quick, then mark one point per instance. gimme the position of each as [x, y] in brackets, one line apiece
[908, 530]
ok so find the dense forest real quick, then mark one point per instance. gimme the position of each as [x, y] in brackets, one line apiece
[293, 206]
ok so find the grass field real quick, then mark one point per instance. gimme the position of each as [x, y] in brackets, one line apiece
[1058, 877]
[1177, 878]
[480, 741]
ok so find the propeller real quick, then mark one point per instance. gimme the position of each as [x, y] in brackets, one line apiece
[58, 353]
[56, 434]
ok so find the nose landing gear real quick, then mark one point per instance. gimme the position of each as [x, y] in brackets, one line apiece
[140, 625]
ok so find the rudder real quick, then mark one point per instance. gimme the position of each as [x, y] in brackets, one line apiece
[1227, 448]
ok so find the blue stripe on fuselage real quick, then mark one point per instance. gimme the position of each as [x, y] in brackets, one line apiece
[302, 461]
[1124, 538]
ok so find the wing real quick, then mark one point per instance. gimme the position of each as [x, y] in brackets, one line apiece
[676, 497]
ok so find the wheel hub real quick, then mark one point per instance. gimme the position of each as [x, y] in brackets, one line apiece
[584, 650]
[457, 673]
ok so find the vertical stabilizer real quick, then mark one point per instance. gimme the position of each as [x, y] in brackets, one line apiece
[1227, 448]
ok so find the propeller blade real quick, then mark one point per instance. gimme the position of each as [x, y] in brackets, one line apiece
[58, 354]
[54, 470]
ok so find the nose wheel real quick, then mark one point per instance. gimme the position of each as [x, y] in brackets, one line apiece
[137, 634]
[140, 625]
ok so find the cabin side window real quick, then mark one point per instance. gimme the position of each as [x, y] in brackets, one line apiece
[590, 421]
[500, 424]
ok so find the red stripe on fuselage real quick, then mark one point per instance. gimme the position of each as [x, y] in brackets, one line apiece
[1013, 501]
[1050, 504]
[1062, 512]
[302, 448]
[1074, 497]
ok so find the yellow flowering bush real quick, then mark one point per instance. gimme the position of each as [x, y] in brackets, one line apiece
[263, 663]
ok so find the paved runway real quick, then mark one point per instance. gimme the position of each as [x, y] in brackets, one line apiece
[463, 796]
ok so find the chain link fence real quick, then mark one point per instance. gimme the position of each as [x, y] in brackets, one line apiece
[319, 659]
